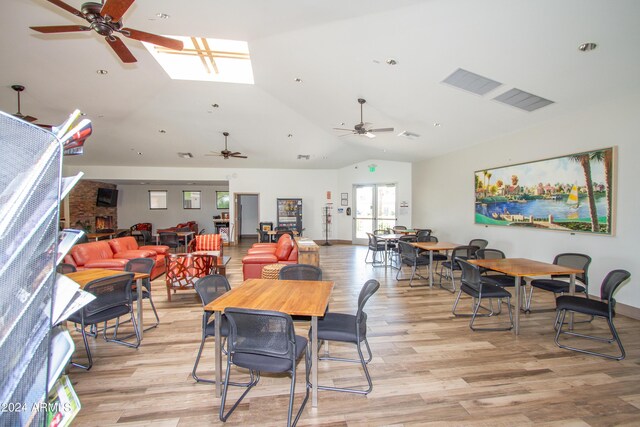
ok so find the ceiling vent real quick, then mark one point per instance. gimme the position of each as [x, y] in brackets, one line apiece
[523, 100]
[185, 155]
[410, 135]
[304, 156]
[471, 82]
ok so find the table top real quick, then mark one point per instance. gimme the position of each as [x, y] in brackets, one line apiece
[90, 274]
[392, 236]
[294, 297]
[524, 267]
[435, 246]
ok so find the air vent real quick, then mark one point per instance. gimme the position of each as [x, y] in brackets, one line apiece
[185, 155]
[523, 100]
[304, 156]
[471, 82]
[410, 135]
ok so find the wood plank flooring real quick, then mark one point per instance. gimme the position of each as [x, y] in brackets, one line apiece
[428, 368]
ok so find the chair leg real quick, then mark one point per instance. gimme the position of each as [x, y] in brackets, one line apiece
[293, 388]
[86, 347]
[253, 381]
[362, 361]
[614, 337]
[475, 314]
[121, 341]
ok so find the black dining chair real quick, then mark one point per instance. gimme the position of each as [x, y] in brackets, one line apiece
[300, 272]
[409, 256]
[472, 284]
[264, 341]
[349, 328]
[376, 246]
[209, 288]
[113, 299]
[558, 283]
[169, 238]
[144, 265]
[605, 308]
[64, 268]
[449, 267]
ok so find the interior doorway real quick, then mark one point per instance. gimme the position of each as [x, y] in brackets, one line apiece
[247, 216]
[374, 209]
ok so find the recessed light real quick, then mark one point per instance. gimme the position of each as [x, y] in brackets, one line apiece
[185, 155]
[586, 47]
[436, 125]
[391, 61]
[304, 156]
[297, 80]
[102, 72]
[162, 15]
[215, 105]
[290, 135]
[139, 153]
[162, 131]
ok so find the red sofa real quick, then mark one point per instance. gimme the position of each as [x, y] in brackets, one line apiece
[284, 252]
[114, 254]
[192, 225]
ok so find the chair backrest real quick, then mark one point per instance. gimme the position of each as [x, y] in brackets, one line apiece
[408, 238]
[261, 332]
[141, 265]
[490, 254]
[368, 289]
[300, 272]
[123, 233]
[429, 238]
[66, 268]
[372, 242]
[207, 242]
[380, 231]
[464, 252]
[611, 282]
[422, 234]
[399, 227]
[470, 274]
[574, 260]
[407, 252]
[211, 287]
[480, 243]
[110, 292]
[146, 237]
[169, 238]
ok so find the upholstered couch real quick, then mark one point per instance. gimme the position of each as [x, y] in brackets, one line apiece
[114, 254]
[284, 252]
[191, 225]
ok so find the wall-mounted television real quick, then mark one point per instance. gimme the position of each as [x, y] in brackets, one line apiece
[107, 197]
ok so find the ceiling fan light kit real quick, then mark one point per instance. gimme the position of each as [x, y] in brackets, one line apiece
[106, 19]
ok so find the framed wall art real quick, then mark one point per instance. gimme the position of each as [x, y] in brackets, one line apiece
[572, 193]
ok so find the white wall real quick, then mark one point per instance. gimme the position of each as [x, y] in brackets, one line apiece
[444, 191]
[386, 172]
[133, 206]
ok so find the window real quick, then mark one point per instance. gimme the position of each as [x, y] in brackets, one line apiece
[222, 199]
[191, 200]
[157, 199]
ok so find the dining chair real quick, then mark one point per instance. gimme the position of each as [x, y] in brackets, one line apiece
[349, 328]
[209, 288]
[556, 284]
[113, 299]
[480, 243]
[449, 267]
[146, 237]
[300, 272]
[64, 268]
[409, 256]
[264, 341]
[144, 265]
[472, 284]
[605, 308]
[169, 238]
[375, 247]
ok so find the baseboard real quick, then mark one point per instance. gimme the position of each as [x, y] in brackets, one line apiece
[628, 310]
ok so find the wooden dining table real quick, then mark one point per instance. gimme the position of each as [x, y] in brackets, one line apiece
[523, 267]
[294, 297]
[83, 277]
[434, 247]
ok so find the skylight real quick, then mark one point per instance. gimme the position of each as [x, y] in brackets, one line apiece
[205, 59]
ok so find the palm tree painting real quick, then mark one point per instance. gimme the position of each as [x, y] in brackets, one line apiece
[570, 193]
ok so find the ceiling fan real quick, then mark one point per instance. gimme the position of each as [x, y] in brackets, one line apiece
[105, 19]
[363, 128]
[226, 153]
[30, 119]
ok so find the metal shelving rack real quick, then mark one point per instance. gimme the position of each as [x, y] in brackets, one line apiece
[30, 183]
[326, 223]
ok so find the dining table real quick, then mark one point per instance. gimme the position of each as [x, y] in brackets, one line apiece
[293, 297]
[523, 267]
[388, 239]
[432, 247]
[83, 277]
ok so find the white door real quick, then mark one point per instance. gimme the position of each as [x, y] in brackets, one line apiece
[374, 209]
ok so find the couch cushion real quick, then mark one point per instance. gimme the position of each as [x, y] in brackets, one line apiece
[264, 258]
[85, 252]
[122, 244]
[283, 250]
[135, 254]
[159, 249]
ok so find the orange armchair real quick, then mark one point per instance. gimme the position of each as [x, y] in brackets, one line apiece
[206, 243]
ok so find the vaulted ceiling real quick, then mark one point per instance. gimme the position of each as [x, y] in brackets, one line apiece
[338, 49]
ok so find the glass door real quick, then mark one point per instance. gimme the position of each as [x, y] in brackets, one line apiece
[374, 209]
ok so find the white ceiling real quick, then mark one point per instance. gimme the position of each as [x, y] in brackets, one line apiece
[338, 48]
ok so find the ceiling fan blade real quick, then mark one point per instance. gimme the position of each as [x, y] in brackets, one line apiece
[60, 29]
[120, 49]
[153, 38]
[381, 130]
[66, 7]
[235, 153]
[115, 9]
[238, 157]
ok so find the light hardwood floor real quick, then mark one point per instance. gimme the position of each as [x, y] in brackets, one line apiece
[428, 368]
